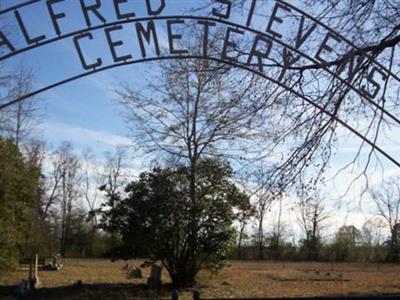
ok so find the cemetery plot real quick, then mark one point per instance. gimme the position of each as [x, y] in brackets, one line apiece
[102, 278]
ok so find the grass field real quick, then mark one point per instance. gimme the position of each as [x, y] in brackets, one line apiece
[103, 279]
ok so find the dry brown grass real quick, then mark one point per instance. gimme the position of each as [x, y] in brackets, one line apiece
[90, 271]
[274, 279]
[103, 279]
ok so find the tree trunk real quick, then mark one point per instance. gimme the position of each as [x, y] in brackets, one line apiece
[394, 247]
[192, 240]
[239, 246]
[184, 277]
[260, 239]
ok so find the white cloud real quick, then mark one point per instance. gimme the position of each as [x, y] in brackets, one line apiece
[84, 137]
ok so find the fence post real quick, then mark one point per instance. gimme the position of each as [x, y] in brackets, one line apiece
[196, 295]
[36, 265]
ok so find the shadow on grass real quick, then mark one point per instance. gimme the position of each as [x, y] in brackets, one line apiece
[132, 291]
[100, 291]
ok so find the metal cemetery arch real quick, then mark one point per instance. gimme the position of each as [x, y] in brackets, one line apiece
[270, 38]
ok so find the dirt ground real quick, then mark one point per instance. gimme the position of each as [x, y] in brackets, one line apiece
[103, 279]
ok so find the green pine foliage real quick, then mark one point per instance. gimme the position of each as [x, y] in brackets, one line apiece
[19, 181]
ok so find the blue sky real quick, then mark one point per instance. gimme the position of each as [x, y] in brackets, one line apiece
[88, 103]
[86, 112]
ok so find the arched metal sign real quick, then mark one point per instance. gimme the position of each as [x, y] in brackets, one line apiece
[268, 52]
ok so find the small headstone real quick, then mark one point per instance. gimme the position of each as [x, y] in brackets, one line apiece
[154, 281]
[135, 273]
[56, 264]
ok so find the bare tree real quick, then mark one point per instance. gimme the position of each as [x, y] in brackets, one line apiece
[90, 184]
[312, 214]
[264, 198]
[113, 180]
[19, 121]
[365, 39]
[92, 179]
[52, 185]
[254, 176]
[64, 191]
[372, 238]
[277, 236]
[22, 118]
[244, 214]
[112, 176]
[387, 200]
[194, 109]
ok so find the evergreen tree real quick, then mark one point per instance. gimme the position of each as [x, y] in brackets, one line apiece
[19, 181]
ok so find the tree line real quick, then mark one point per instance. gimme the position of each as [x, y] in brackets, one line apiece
[49, 202]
